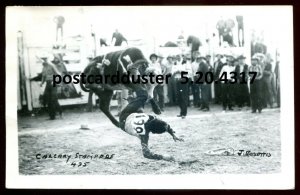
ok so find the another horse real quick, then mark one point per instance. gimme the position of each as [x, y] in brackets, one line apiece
[110, 64]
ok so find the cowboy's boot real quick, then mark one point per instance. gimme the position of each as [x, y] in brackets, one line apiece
[154, 106]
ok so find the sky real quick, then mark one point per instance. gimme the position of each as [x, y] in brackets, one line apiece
[152, 24]
[163, 23]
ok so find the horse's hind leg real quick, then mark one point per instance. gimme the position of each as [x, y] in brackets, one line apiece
[105, 97]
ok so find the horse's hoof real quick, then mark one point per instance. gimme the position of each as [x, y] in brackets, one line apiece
[158, 112]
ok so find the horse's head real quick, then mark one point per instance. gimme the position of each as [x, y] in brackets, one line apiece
[144, 65]
[91, 69]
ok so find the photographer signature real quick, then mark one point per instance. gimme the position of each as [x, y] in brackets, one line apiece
[232, 152]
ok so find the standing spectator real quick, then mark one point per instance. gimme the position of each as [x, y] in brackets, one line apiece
[227, 34]
[195, 86]
[242, 97]
[64, 90]
[59, 63]
[119, 38]
[257, 46]
[267, 82]
[277, 73]
[221, 27]
[194, 43]
[210, 69]
[227, 89]
[181, 87]
[255, 87]
[262, 63]
[240, 22]
[187, 62]
[50, 93]
[59, 20]
[159, 89]
[218, 65]
[171, 82]
[204, 87]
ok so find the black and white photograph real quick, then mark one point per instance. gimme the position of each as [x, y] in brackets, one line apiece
[158, 97]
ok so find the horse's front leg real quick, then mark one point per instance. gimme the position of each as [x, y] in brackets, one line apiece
[105, 97]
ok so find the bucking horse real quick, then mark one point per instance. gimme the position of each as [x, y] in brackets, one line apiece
[111, 63]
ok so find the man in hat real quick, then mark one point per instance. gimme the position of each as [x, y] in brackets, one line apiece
[210, 69]
[227, 88]
[119, 38]
[50, 93]
[193, 42]
[182, 84]
[158, 92]
[187, 62]
[208, 58]
[255, 87]
[195, 85]
[262, 63]
[154, 62]
[204, 87]
[241, 88]
[218, 65]
[171, 84]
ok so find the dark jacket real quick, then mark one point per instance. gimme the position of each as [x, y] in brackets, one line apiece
[238, 71]
[203, 67]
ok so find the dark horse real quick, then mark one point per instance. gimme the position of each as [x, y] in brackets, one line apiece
[110, 64]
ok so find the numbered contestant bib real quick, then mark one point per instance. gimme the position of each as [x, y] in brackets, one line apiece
[135, 124]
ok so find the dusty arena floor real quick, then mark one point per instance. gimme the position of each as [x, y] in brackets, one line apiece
[202, 132]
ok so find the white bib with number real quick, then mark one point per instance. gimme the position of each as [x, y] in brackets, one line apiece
[135, 124]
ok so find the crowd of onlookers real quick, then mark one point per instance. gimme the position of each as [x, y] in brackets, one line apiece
[234, 93]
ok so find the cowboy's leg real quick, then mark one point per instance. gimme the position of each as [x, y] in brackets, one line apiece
[154, 105]
[133, 107]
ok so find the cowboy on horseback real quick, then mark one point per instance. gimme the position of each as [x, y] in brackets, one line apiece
[129, 61]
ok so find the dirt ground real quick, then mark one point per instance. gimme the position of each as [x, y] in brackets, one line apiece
[202, 132]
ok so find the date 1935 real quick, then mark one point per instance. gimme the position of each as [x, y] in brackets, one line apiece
[79, 164]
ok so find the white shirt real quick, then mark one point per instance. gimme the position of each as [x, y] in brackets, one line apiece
[168, 67]
[241, 68]
[227, 69]
[195, 67]
[156, 66]
[177, 69]
[188, 68]
[135, 124]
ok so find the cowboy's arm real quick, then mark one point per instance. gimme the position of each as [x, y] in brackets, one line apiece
[146, 151]
[172, 133]
[43, 79]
